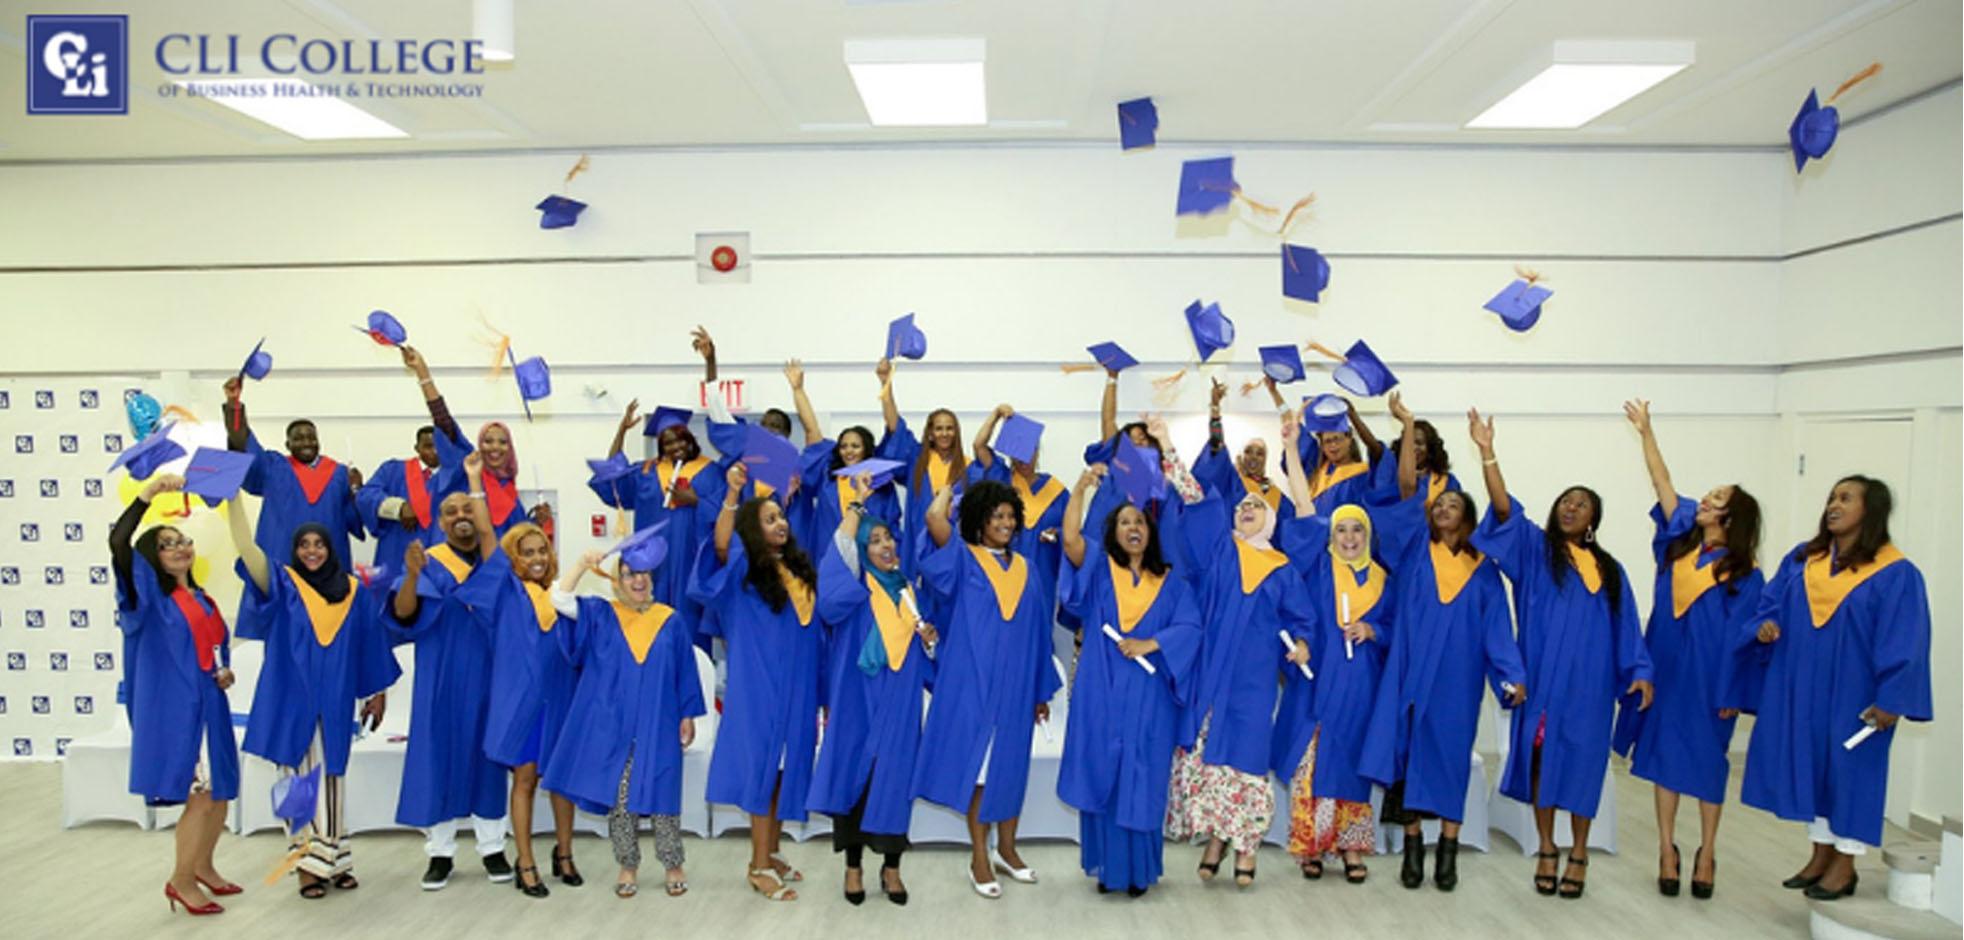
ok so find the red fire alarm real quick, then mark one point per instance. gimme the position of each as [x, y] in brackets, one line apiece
[724, 258]
[599, 525]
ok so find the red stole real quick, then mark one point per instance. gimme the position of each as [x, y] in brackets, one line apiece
[207, 625]
[500, 497]
[416, 482]
[314, 479]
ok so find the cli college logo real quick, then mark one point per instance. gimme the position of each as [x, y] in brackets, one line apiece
[78, 64]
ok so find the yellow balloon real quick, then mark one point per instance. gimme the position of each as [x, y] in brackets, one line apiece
[170, 508]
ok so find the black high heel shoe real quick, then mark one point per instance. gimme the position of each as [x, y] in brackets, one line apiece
[1668, 887]
[537, 889]
[1413, 874]
[1445, 869]
[898, 897]
[1702, 890]
[1819, 893]
[1576, 883]
[856, 898]
[1544, 884]
[562, 869]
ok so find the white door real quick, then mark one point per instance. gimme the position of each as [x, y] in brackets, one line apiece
[1880, 448]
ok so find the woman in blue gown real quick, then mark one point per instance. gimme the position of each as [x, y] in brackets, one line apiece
[325, 651]
[1454, 627]
[176, 668]
[497, 477]
[824, 490]
[758, 592]
[1707, 586]
[1124, 720]
[876, 671]
[1582, 646]
[680, 486]
[993, 679]
[1844, 629]
[930, 465]
[1044, 498]
[1340, 469]
[634, 707]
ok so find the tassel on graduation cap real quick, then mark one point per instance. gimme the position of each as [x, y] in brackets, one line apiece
[1813, 130]
[564, 211]
[1208, 186]
[534, 378]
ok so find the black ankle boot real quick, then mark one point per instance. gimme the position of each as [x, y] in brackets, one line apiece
[1445, 870]
[1413, 874]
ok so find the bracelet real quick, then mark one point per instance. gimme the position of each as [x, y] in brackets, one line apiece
[1490, 461]
[1111, 380]
[427, 382]
[729, 508]
[477, 496]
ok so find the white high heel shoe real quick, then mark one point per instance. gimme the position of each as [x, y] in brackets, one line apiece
[1027, 876]
[992, 890]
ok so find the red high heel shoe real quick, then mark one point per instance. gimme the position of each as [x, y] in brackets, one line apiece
[170, 891]
[222, 890]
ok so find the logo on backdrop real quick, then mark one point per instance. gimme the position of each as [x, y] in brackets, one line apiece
[78, 64]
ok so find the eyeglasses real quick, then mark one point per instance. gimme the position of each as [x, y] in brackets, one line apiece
[166, 545]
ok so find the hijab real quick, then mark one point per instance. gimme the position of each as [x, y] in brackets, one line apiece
[892, 581]
[509, 470]
[328, 580]
[1259, 540]
[1346, 513]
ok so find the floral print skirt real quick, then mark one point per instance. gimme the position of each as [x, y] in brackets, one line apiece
[1216, 801]
[1319, 826]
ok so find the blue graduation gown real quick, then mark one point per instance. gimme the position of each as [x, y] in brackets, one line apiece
[818, 490]
[450, 454]
[1874, 650]
[901, 445]
[873, 723]
[284, 507]
[1681, 742]
[1340, 701]
[1379, 487]
[393, 479]
[770, 706]
[1579, 658]
[1123, 724]
[1428, 706]
[688, 526]
[304, 686]
[1218, 473]
[1043, 557]
[990, 677]
[1241, 656]
[174, 707]
[445, 773]
[531, 679]
[620, 704]
[1109, 496]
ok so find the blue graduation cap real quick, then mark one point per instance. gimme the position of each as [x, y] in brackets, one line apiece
[1112, 356]
[258, 363]
[216, 474]
[905, 340]
[771, 460]
[1138, 121]
[559, 212]
[534, 379]
[146, 456]
[1212, 330]
[1363, 373]
[1137, 472]
[1813, 130]
[1282, 363]
[609, 470]
[295, 796]
[644, 550]
[1325, 413]
[1305, 274]
[385, 329]
[1519, 304]
[1206, 186]
[665, 418]
[1018, 438]
[882, 469]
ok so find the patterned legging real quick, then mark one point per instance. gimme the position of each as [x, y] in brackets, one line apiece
[324, 839]
[623, 829]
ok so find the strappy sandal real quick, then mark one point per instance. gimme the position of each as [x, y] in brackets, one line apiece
[627, 889]
[1243, 877]
[1544, 884]
[1355, 873]
[314, 890]
[784, 870]
[1578, 883]
[783, 891]
[345, 881]
[1209, 869]
[1312, 869]
[676, 887]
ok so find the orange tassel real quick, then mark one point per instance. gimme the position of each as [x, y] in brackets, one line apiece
[181, 412]
[500, 347]
[585, 164]
[1855, 79]
[1527, 274]
[1168, 381]
[1072, 368]
[1313, 346]
[1248, 388]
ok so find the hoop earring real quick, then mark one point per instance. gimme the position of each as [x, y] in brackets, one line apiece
[1589, 536]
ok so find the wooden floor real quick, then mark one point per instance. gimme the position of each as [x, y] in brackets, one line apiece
[105, 880]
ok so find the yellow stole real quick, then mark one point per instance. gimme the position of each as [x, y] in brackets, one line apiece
[896, 623]
[763, 489]
[802, 598]
[542, 608]
[1689, 581]
[1451, 571]
[1363, 597]
[1826, 588]
[1273, 495]
[1133, 599]
[666, 472]
[1434, 488]
[326, 618]
[1256, 563]
[845, 491]
[1036, 503]
[940, 472]
[1585, 564]
[640, 629]
[1007, 582]
[447, 557]
[1330, 474]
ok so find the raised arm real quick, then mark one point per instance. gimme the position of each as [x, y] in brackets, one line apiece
[1292, 467]
[432, 399]
[1638, 411]
[794, 373]
[249, 553]
[888, 410]
[1373, 448]
[629, 419]
[706, 348]
[1407, 448]
[938, 527]
[736, 477]
[1074, 513]
[413, 560]
[1177, 474]
[237, 430]
[1108, 407]
[1274, 393]
[487, 539]
[122, 557]
[1216, 441]
[984, 454]
[1482, 433]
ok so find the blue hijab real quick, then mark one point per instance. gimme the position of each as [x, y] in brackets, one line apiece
[873, 652]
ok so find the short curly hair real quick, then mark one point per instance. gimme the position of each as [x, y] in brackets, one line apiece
[980, 502]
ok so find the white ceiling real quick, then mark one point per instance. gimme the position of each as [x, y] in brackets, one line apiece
[592, 74]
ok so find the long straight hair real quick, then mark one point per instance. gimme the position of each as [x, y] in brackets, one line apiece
[959, 463]
[1559, 564]
[1876, 505]
[762, 576]
[1741, 524]
[1153, 560]
[146, 546]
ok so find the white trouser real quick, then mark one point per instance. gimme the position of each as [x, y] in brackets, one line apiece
[440, 840]
[1819, 832]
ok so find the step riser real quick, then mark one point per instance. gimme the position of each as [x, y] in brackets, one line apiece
[1911, 891]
